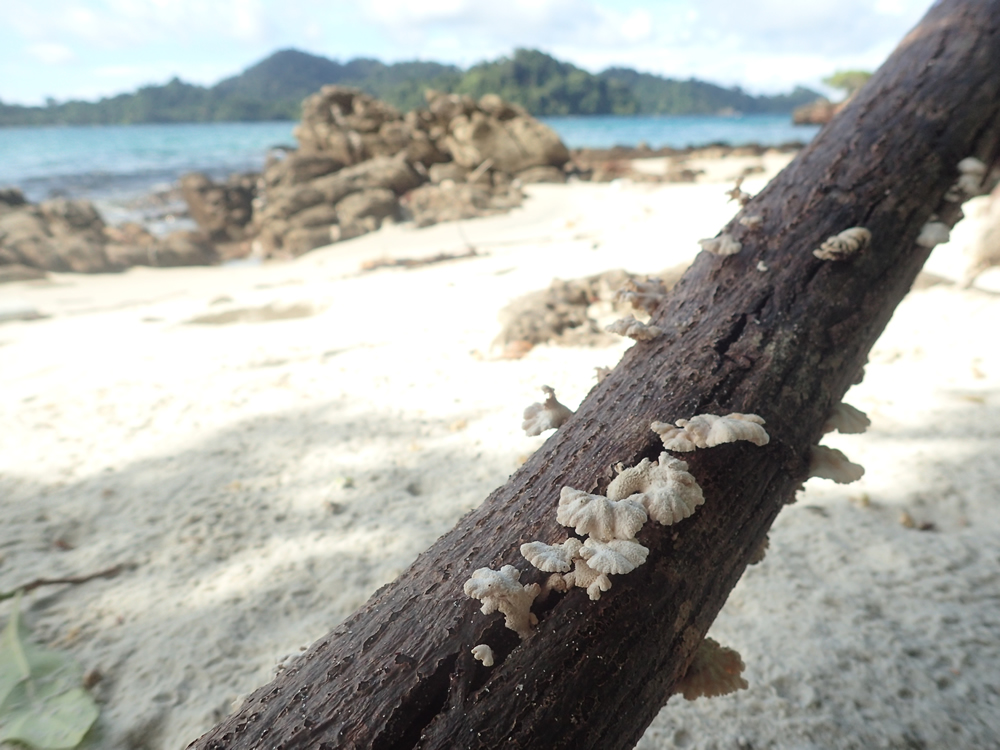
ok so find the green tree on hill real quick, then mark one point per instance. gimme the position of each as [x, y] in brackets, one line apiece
[848, 81]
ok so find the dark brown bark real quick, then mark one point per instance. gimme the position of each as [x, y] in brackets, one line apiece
[785, 344]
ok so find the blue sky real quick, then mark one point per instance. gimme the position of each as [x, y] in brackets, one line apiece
[91, 48]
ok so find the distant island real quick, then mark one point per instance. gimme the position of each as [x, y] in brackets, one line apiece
[274, 88]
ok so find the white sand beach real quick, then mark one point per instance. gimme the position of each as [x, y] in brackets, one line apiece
[265, 445]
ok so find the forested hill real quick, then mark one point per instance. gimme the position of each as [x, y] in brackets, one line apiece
[273, 89]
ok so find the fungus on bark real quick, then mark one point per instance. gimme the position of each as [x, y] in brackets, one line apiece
[552, 558]
[830, 463]
[550, 415]
[500, 590]
[483, 653]
[614, 557]
[842, 246]
[715, 670]
[664, 487]
[634, 329]
[846, 420]
[709, 430]
[933, 233]
[724, 244]
[598, 517]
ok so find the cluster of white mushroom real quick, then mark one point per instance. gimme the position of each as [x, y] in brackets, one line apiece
[844, 245]
[971, 174]
[661, 490]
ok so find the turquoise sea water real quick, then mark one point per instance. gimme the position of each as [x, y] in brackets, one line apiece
[118, 162]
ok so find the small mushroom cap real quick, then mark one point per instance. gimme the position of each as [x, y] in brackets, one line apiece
[933, 233]
[615, 557]
[550, 415]
[829, 463]
[598, 517]
[665, 488]
[724, 244]
[634, 329]
[483, 653]
[846, 420]
[709, 430]
[552, 558]
[714, 670]
[972, 165]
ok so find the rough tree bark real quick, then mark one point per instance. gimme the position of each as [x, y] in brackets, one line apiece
[785, 344]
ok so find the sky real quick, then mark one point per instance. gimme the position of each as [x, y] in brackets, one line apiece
[86, 49]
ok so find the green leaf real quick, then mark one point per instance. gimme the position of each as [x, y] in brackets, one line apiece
[42, 703]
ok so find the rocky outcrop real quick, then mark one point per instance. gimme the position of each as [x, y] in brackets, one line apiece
[57, 235]
[222, 211]
[70, 235]
[360, 162]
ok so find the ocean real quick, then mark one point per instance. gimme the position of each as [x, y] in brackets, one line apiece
[120, 166]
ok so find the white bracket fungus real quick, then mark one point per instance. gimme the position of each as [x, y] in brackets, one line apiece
[614, 557]
[724, 244]
[550, 415]
[483, 653]
[500, 590]
[751, 222]
[634, 329]
[846, 420]
[715, 670]
[709, 430]
[829, 463]
[601, 372]
[762, 266]
[552, 558]
[598, 517]
[933, 233]
[842, 246]
[665, 488]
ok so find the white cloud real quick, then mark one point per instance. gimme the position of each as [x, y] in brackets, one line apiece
[51, 53]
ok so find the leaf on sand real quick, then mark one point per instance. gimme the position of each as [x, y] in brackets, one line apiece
[42, 701]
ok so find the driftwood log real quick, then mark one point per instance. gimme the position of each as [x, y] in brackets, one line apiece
[785, 343]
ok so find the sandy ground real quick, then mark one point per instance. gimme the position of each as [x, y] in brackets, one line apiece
[266, 445]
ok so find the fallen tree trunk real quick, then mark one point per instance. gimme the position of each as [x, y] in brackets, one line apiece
[785, 343]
